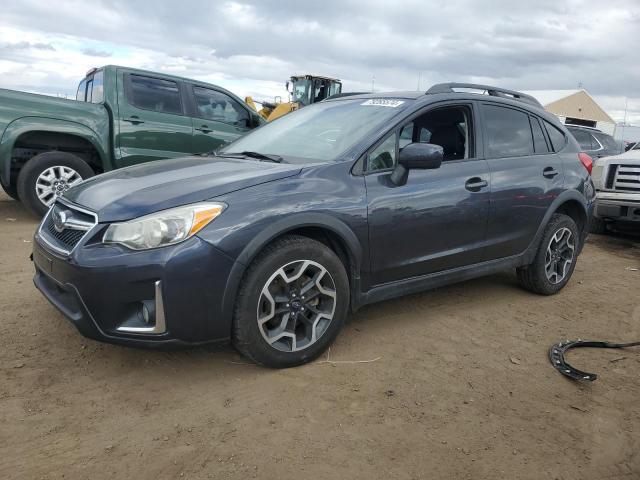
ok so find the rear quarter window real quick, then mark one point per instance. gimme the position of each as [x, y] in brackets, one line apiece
[557, 137]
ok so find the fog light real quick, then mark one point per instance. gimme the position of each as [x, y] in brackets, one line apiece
[148, 312]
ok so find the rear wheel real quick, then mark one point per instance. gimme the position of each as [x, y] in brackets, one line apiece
[292, 303]
[47, 176]
[556, 257]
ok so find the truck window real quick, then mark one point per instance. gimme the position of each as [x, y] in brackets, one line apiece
[154, 94]
[97, 89]
[217, 106]
[82, 91]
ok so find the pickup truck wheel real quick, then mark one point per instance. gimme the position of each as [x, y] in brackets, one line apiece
[556, 257]
[11, 191]
[292, 303]
[47, 176]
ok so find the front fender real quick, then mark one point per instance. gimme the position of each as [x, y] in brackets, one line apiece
[281, 227]
[23, 125]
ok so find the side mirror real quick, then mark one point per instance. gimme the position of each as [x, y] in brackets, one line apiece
[416, 156]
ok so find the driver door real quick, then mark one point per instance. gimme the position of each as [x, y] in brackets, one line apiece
[436, 221]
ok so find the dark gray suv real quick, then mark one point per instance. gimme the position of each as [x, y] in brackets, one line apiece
[270, 242]
[595, 142]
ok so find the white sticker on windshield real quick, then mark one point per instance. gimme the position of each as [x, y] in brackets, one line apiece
[383, 102]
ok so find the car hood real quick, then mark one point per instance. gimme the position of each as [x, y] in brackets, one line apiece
[142, 189]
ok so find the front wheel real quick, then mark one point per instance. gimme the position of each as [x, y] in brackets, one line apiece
[292, 303]
[556, 257]
[47, 176]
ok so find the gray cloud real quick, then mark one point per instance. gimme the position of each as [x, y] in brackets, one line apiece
[94, 52]
[547, 44]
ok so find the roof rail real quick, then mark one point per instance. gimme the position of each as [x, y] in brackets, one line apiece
[493, 91]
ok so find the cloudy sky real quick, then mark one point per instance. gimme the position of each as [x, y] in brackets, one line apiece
[253, 47]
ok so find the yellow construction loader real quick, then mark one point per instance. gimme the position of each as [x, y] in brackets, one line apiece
[305, 90]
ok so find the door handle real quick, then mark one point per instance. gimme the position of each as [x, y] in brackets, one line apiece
[204, 129]
[134, 119]
[549, 172]
[475, 184]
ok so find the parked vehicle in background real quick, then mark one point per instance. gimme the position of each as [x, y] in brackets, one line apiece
[272, 241]
[617, 182]
[629, 145]
[595, 142]
[121, 117]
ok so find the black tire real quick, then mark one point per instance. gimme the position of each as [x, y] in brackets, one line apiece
[247, 336]
[37, 165]
[10, 190]
[598, 226]
[534, 277]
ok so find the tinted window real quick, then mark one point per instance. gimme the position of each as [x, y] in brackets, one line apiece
[155, 94]
[583, 138]
[384, 156]
[539, 142]
[557, 138]
[508, 132]
[606, 140]
[214, 105]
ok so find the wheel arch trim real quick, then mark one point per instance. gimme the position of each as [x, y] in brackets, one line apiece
[278, 229]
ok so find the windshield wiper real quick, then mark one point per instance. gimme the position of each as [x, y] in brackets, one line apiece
[263, 156]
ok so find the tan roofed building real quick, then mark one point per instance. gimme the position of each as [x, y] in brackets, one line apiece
[575, 107]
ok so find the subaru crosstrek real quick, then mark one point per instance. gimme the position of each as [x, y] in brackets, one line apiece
[273, 240]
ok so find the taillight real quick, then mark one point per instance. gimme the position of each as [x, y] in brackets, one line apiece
[587, 161]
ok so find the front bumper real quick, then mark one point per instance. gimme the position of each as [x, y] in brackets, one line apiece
[99, 288]
[618, 207]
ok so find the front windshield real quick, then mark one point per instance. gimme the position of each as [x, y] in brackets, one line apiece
[320, 132]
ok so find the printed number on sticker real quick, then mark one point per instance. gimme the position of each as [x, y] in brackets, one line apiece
[383, 102]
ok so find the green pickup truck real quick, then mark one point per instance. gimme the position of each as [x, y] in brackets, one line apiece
[120, 117]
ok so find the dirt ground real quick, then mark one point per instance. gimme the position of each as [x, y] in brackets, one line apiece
[461, 388]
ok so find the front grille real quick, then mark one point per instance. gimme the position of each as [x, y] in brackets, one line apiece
[73, 225]
[627, 178]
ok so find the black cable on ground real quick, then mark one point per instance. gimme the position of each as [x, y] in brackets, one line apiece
[556, 356]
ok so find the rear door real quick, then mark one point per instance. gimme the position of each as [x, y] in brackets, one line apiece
[217, 119]
[151, 122]
[526, 176]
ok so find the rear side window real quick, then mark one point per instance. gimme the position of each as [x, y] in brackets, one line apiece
[508, 132]
[82, 90]
[539, 142]
[154, 94]
[97, 90]
[607, 140]
[558, 140]
[584, 139]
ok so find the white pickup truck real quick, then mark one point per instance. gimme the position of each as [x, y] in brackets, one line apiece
[617, 181]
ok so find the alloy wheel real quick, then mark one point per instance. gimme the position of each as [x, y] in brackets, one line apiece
[296, 305]
[559, 256]
[54, 181]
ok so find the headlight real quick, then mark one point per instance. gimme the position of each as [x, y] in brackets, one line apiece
[596, 176]
[163, 228]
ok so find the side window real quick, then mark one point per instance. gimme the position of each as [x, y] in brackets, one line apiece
[214, 105]
[583, 138]
[155, 94]
[539, 142]
[384, 156]
[82, 91]
[406, 135]
[508, 132]
[558, 140]
[97, 92]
